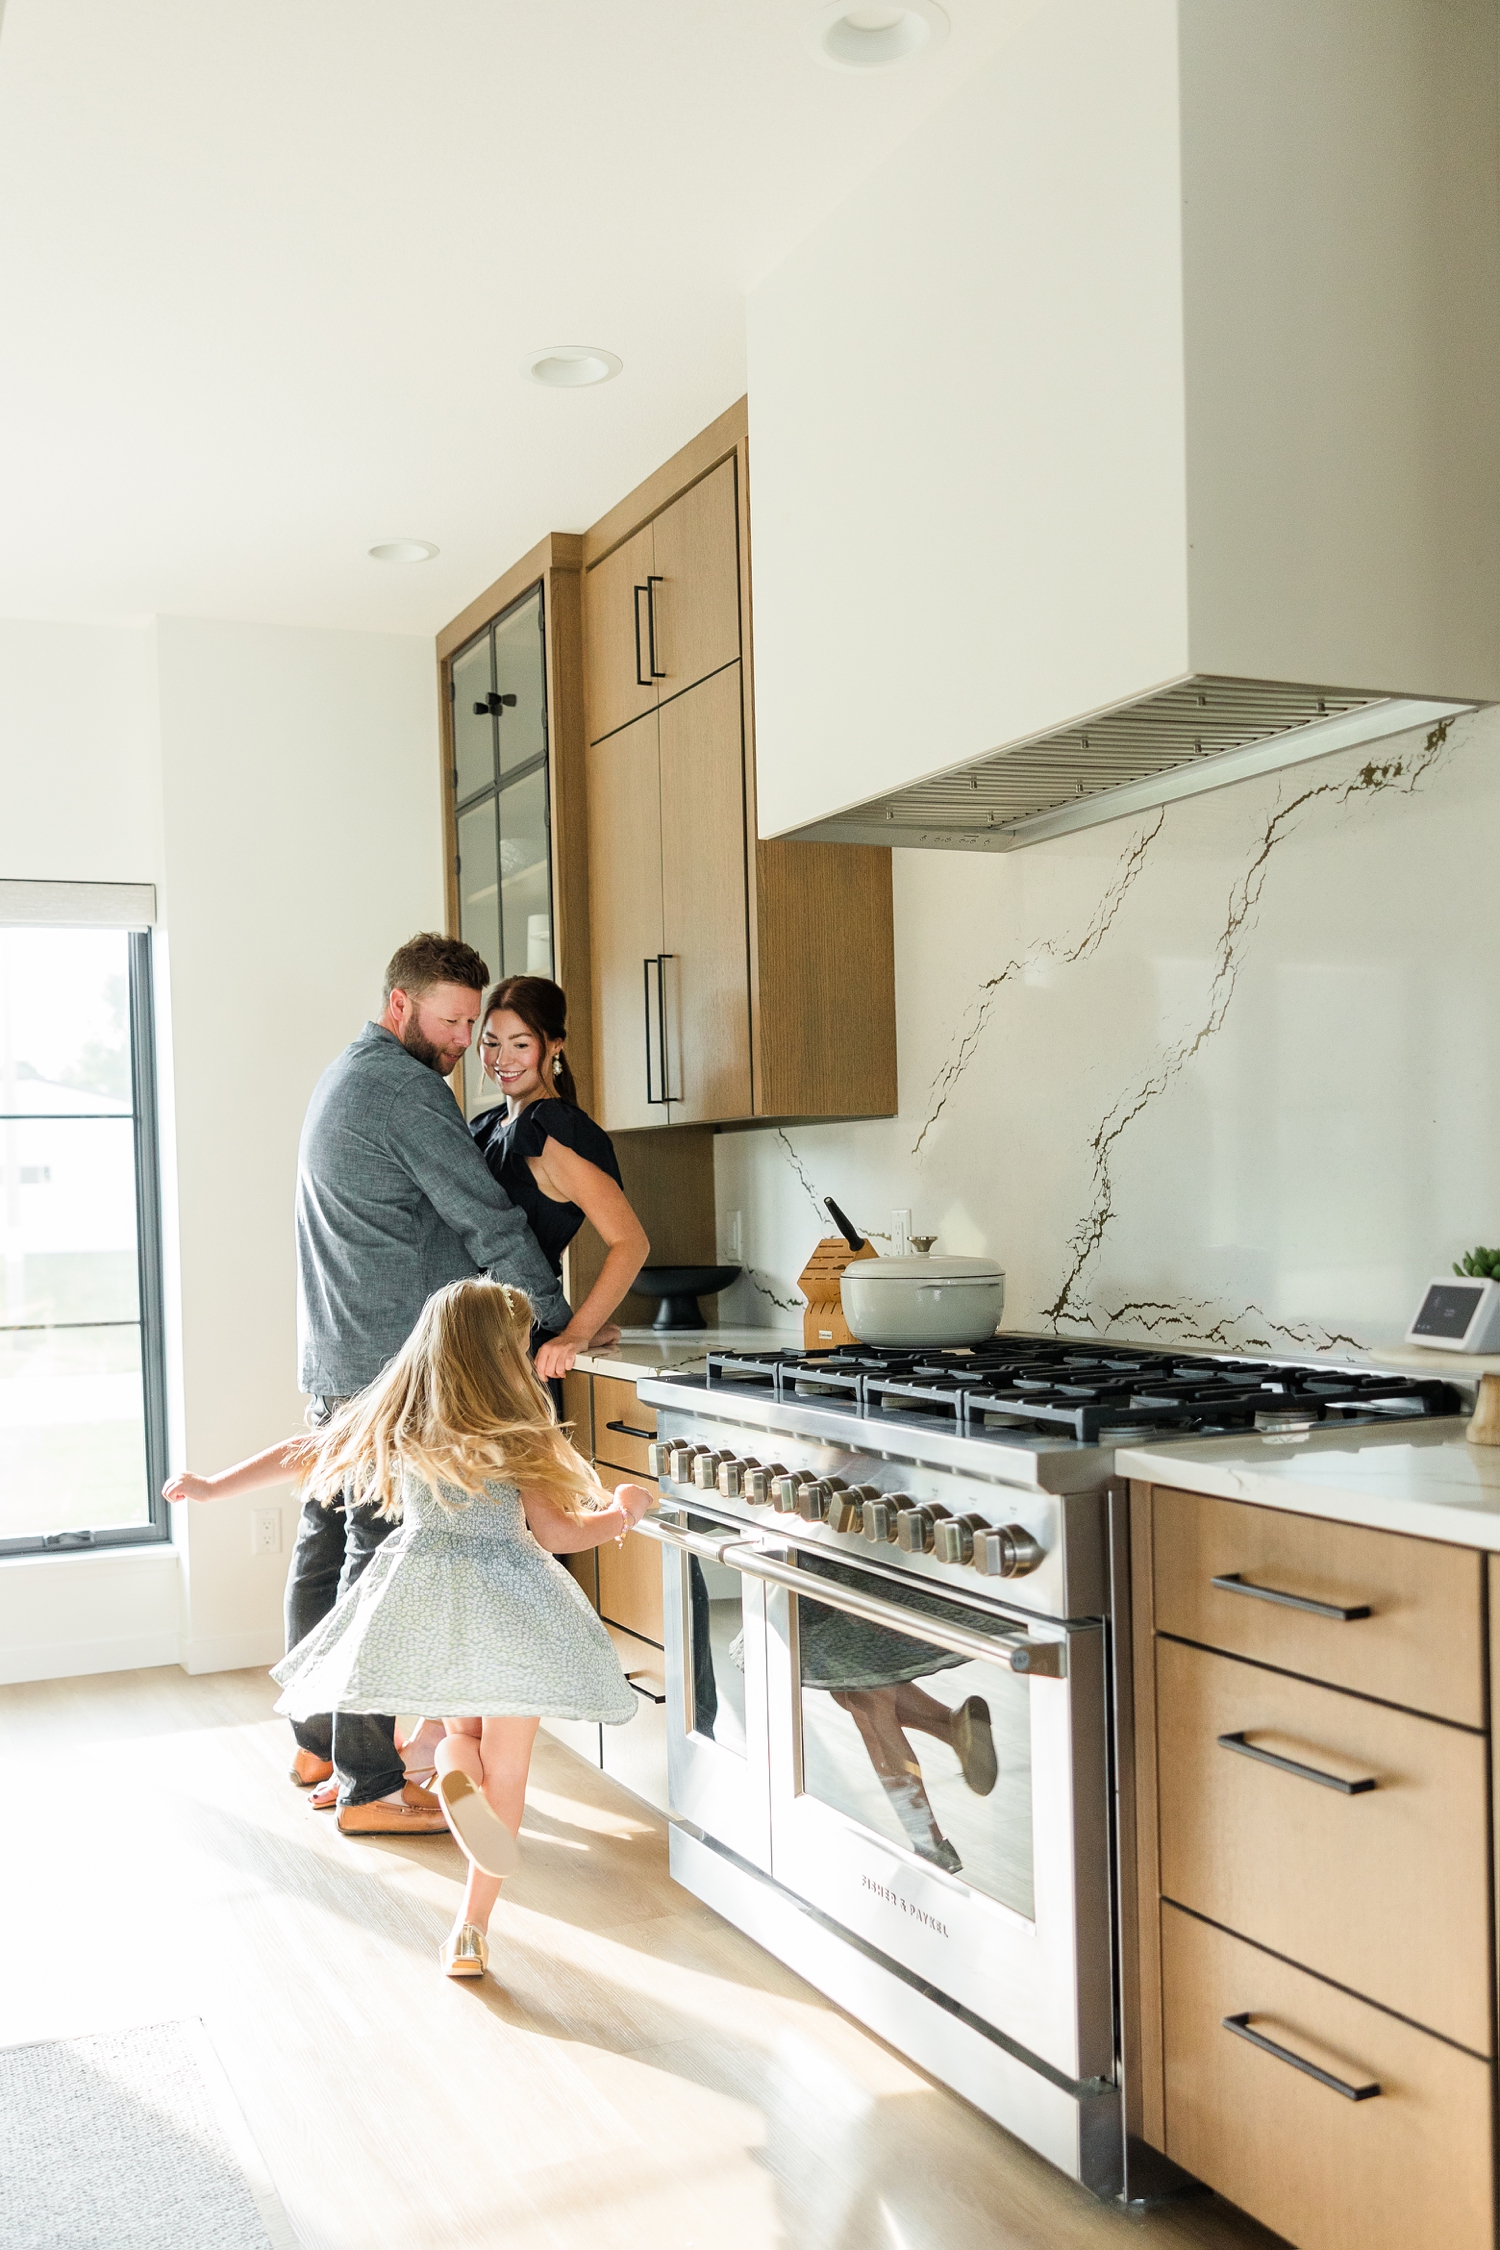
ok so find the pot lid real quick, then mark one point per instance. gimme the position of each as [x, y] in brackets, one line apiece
[924, 1269]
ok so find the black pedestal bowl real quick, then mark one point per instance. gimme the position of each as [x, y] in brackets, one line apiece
[679, 1288]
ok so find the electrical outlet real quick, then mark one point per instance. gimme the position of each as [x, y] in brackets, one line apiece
[732, 1239]
[900, 1233]
[265, 1531]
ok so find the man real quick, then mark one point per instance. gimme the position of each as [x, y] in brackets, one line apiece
[394, 1201]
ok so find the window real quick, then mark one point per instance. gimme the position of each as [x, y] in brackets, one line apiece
[498, 686]
[82, 1396]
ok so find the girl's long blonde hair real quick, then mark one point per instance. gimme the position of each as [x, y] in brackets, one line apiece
[460, 1405]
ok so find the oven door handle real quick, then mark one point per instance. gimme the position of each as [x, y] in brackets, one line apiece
[1035, 1659]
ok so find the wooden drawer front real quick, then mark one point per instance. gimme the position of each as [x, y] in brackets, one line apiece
[1420, 1645]
[618, 1412]
[578, 1410]
[630, 1588]
[1408, 2166]
[1386, 1890]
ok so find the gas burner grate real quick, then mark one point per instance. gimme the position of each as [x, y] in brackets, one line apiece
[1090, 1393]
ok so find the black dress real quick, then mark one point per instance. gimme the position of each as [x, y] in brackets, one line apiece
[506, 1143]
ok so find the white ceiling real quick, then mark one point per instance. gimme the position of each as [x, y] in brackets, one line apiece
[267, 271]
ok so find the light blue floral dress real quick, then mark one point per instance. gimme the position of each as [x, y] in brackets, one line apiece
[460, 1615]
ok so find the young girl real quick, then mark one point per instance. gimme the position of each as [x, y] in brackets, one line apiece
[463, 1610]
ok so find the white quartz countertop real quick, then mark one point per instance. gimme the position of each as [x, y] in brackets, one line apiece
[1420, 1478]
[656, 1351]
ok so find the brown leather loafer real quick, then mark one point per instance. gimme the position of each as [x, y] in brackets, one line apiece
[308, 1770]
[418, 1814]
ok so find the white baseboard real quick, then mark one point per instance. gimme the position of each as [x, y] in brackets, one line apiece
[69, 1660]
[230, 1652]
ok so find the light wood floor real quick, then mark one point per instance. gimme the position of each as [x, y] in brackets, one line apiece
[633, 2073]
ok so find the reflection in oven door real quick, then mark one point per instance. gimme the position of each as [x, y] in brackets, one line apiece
[919, 1745]
[716, 1707]
[947, 1810]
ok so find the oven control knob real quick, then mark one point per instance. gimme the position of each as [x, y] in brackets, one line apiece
[880, 1516]
[784, 1491]
[659, 1459]
[759, 1480]
[955, 1538]
[731, 1478]
[680, 1458]
[1009, 1552]
[916, 1528]
[814, 1496]
[706, 1468]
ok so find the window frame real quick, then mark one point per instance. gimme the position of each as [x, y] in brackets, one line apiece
[157, 1529]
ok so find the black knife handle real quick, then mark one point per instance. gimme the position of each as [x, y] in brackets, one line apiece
[855, 1241]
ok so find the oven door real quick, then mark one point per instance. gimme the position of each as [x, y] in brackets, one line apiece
[939, 1788]
[715, 1642]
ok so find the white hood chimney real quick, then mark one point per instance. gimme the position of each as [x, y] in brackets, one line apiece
[1136, 424]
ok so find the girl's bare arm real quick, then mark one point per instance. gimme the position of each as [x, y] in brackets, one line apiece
[274, 1466]
[560, 1533]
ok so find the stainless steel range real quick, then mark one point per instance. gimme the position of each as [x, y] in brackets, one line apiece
[893, 1731]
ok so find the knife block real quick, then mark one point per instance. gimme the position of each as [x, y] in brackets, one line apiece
[823, 1323]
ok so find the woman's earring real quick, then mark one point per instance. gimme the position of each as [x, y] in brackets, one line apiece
[557, 1066]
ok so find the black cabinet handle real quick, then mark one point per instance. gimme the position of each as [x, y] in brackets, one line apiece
[493, 704]
[653, 581]
[625, 1430]
[657, 961]
[642, 679]
[1235, 1584]
[1240, 2026]
[1293, 1766]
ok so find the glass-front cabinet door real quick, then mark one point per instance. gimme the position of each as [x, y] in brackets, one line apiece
[502, 803]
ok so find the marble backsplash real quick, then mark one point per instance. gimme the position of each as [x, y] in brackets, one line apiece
[1225, 1074]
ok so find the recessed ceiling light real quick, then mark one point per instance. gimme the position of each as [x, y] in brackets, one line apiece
[402, 550]
[873, 38]
[570, 367]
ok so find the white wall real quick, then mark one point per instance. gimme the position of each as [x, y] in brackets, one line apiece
[301, 845]
[1227, 1075]
[280, 788]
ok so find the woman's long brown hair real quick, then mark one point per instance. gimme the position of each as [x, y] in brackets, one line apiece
[543, 1007]
[460, 1406]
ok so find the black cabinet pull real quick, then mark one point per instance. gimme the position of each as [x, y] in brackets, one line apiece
[657, 961]
[493, 704]
[642, 679]
[1294, 1766]
[653, 581]
[1240, 2026]
[625, 1430]
[1233, 1583]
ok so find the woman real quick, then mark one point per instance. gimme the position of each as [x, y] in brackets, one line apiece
[550, 1157]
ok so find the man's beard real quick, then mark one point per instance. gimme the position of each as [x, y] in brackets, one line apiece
[425, 1052]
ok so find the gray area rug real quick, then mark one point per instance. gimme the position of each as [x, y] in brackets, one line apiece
[130, 2140]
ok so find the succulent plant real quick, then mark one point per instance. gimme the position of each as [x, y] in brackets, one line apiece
[1481, 1265]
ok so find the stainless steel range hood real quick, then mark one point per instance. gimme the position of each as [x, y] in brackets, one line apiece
[1135, 426]
[1196, 735]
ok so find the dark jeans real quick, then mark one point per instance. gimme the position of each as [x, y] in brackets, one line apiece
[333, 1546]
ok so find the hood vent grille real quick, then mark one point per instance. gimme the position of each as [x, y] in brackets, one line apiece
[1195, 735]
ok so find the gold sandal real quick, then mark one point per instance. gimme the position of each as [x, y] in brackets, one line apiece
[464, 1953]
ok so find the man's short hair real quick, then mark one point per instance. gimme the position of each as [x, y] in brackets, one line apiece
[428, 959]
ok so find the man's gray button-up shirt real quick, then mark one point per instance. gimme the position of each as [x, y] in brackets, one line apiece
[394, 1201]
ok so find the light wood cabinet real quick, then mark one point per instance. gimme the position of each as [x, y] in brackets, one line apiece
[618, 683]
[1405, 2166]
[1363, 1852]
[705, 934]
[1307, 1887]
[770, 989]
[1397, 1618]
